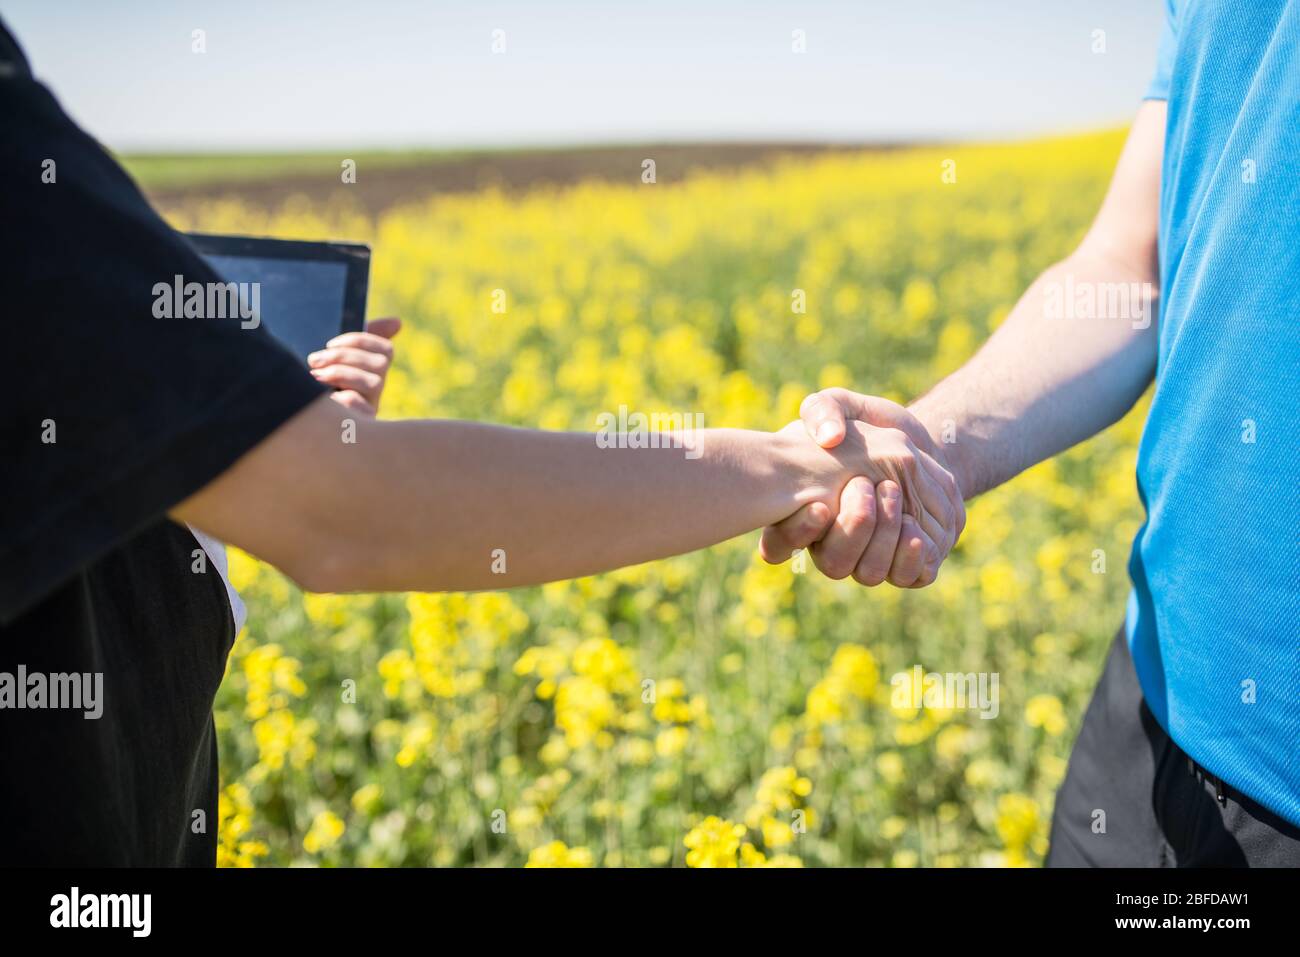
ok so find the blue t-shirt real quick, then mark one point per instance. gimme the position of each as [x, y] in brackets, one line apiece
[1214, 617]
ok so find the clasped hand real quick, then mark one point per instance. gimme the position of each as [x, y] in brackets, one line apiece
[897, 518]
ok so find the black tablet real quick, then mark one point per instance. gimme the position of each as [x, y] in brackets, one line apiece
[308, 292]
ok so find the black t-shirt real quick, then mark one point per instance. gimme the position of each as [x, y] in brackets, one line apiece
[112, 416]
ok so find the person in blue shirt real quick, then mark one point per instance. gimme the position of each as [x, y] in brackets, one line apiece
[1189, 753]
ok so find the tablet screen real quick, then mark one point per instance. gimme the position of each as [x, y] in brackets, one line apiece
[301, 301]
[306, 292]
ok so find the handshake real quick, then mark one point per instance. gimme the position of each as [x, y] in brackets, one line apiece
[898, 516]
[871, 495]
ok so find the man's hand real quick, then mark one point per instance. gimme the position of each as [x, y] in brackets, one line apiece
[901, 529]
[356, 363]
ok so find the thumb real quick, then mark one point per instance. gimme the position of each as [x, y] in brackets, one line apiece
[824, 419]
[386, 327]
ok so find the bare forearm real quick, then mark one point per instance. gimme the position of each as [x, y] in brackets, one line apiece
[441, 505]
[1069, 360]
[1049, 377]
[535, 506]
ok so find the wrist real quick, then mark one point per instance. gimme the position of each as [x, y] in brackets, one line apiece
[948, 448]
[802, 471]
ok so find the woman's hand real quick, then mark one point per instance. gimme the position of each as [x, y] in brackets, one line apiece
[896, 519]
[356, 364]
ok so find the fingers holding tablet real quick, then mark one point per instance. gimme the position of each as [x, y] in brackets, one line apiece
[357, 364]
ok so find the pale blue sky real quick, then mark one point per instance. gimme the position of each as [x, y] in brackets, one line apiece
[291, 74]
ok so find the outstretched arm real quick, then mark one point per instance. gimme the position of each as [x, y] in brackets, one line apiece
[342, 502]
[1051, 376]
[1072, 357]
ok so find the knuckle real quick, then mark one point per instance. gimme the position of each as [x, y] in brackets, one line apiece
[833, 567]
[787, 536]
[904, 568]
[889, 495]
[835, 571]
[863, 524]
[863, 506]
[871, 575]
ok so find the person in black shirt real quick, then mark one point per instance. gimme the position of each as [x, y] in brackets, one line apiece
[123, 428]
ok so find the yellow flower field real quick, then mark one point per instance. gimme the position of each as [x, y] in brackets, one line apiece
[708, 710]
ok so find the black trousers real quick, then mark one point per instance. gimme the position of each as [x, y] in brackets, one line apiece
[1132, 798]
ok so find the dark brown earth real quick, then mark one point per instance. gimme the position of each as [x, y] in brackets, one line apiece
[379, 189]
